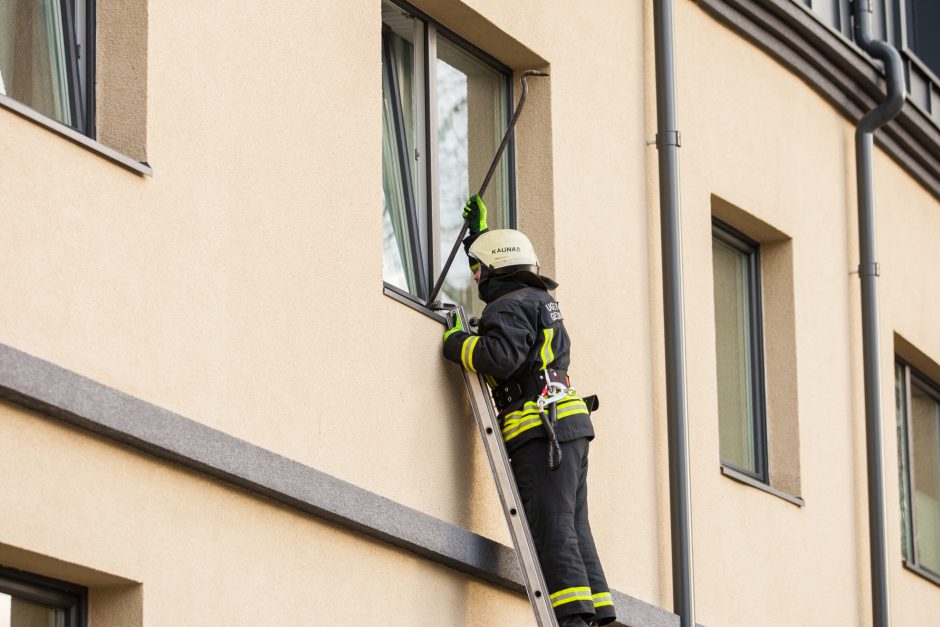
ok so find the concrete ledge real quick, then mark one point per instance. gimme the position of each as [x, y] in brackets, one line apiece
[54, 391]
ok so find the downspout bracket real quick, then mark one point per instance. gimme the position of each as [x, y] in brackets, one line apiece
[669, 138]
[869, 269]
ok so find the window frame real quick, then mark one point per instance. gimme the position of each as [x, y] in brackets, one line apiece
[751, 251]
[910, 551]
[70, 597]
[79, 26]
[425, 217]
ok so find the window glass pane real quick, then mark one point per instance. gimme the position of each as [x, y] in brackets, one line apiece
[900, 398]
[924, 21]
[925, 437]
[733, 352]
[402, 255]
[471, 118]
[32, 56]
[16, 612]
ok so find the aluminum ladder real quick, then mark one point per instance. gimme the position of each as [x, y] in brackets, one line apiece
[481, 403]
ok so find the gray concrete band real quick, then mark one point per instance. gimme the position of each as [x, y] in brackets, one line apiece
[54, 391]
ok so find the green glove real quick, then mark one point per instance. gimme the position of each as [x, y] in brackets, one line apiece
[458, 326]
[475, 212]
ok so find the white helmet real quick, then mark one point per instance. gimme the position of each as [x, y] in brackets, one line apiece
[504, 248]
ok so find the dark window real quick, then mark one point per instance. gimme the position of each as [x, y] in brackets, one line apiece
[28, 600]
[918, 410]
[739, 351]
[445, 106]
[923, 19]
[45, 57]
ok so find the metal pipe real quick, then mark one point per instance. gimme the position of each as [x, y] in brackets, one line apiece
[868, 274]
[667, 143]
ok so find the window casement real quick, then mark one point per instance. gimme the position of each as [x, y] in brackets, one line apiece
[46, 52]
[445, 106]
[918, 412]
[739, 352]
[27, 600]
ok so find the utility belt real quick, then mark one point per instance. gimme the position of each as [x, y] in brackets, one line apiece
[514, 391]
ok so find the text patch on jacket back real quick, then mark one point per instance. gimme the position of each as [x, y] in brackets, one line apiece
[551, 314]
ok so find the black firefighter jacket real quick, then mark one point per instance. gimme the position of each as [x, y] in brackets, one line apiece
[521, 333]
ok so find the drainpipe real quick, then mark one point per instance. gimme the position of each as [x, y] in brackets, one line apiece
[868, 273]
[667, 144]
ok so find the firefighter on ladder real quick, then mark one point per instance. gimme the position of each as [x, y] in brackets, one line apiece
[522, 347]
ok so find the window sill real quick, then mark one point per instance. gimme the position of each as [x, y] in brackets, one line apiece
[739, 476]
[71, 134]
[409, 300]
[922, 572]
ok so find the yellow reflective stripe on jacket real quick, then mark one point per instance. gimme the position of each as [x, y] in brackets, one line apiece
[572, 407]
[521, 427]
[548, 355]
[570, 595]
[602, 598]
[522, 420]
[466, 352]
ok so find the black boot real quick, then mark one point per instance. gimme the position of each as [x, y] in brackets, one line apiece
[573, 620]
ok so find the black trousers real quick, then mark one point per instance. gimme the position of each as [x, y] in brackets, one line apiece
[556, 507]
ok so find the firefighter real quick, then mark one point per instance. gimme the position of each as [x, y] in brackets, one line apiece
[521, 345]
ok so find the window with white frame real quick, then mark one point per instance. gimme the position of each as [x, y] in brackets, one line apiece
[28, 600]
[739, 352]
[45, 58]
[445, 106]
[918, 412]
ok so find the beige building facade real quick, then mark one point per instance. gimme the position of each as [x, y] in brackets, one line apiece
[224, 400]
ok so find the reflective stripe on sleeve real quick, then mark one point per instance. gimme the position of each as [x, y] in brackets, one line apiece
[602, 598]
[570, 595]
[466, 352]
[548, 356]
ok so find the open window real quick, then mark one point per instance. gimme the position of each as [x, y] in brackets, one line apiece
[45, 58]
[445, 107]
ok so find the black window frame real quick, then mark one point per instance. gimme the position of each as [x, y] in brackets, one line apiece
[911, 376]
[425, 250]
[70, 597]
[79, 65]
[751, 251]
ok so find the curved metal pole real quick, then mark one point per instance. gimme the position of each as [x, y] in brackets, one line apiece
[667, 143]
[868, 274]
[486, 182]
